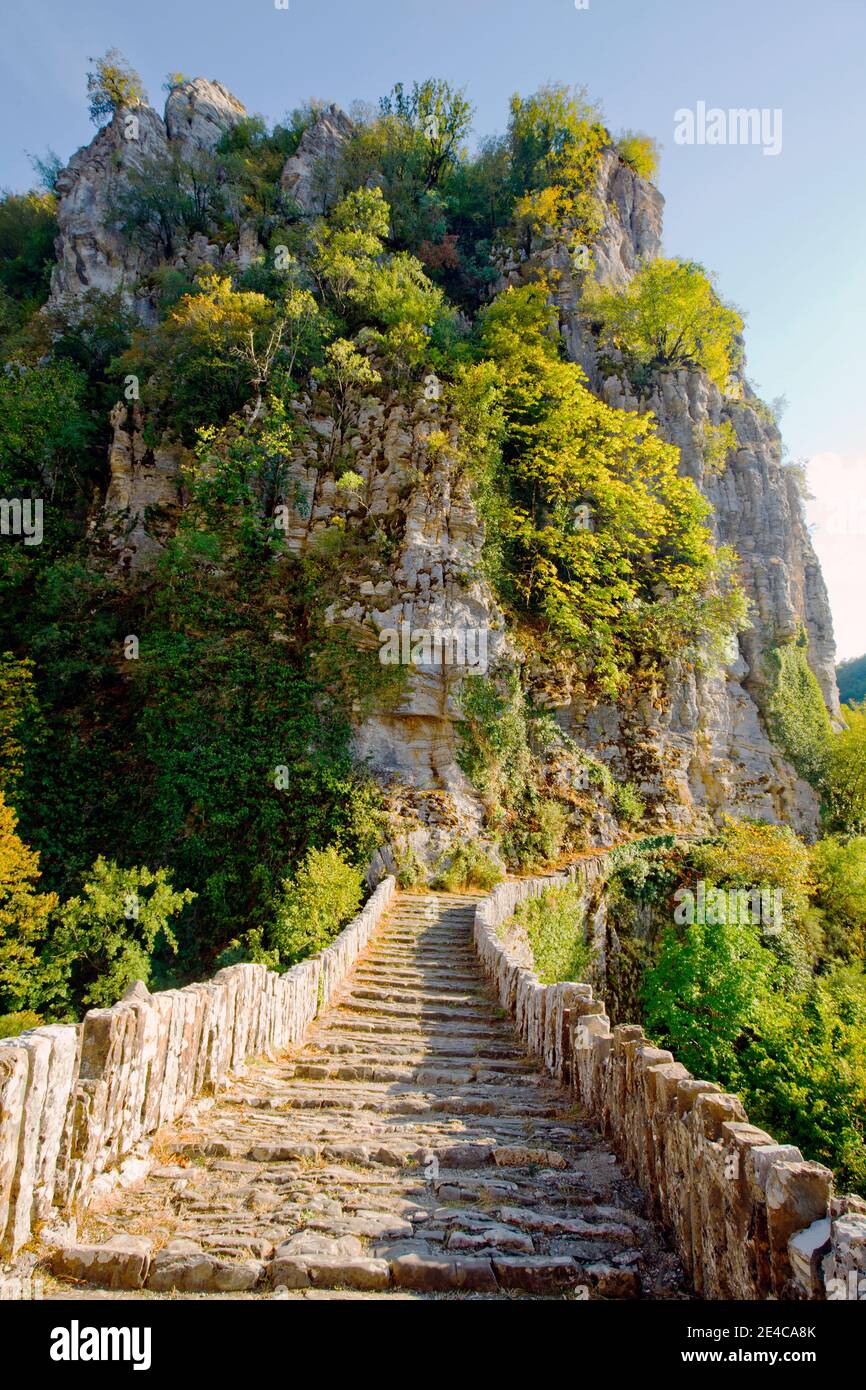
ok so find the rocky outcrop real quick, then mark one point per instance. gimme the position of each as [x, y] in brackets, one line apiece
[77, 1103]
[428, 596]
[92, 253]
[198, 114]
[143, 500]
[631, 229]
[310, 174]
[750, 1218]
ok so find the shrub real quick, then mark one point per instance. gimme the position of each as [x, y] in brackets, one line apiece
[467, 866]
[642, 579]
[408, 869]
[845, 791]
[24, 916]
[28, 226]
[669, 315]
[554, 925]
[753, 854]
[699, 997]
[640, 152]
[796, 714]
[536, 835]
[628, 803]
[839, 869]
[716, 442]
[106, 937]
[322, 895]
[13, 1024]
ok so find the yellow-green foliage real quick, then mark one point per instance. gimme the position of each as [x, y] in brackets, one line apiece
[322, 895]
[716, 442]
[846, 773]
[555, 139]
[640, 152]
[24, 914]
[13, 1024]
[468, 865]
[669, 315]
[753, 854]
[554, 926]
[839, 872]
[637, 583]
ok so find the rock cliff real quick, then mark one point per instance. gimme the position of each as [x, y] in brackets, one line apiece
[701, 751]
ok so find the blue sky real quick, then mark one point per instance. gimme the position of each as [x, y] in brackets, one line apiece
[783, 233]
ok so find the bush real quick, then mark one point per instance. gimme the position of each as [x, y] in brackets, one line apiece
[13, 1024]
[554, 926]
[467, 866]
[640, 152]
[536, 837]
[845, 789]
[105, 939]
[324, 894]
[839, 868]
[796, 714]
[605, 545]
[628, 803]
[24, 916]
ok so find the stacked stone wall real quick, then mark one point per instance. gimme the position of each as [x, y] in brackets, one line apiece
[750, 1218]
[78, 1101]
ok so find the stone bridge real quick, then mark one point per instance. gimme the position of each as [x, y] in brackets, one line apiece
[410, 1113]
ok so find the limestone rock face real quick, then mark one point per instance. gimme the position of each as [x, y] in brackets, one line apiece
[632, 227]
[198, 113]
[91, 252]
[430, 590]
[143, 498]
[309, 174]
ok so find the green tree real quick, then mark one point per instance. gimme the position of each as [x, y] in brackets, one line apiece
[606, 544]
[112, 84]
[322, 895]
[28, 226]
[24, 917]
[839, 867]
[702, 993]
[201, 364]
[165, 195]
[669, 315]
[105, 937]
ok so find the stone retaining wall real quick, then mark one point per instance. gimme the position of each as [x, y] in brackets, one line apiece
[749, 1217]
[77, 1100]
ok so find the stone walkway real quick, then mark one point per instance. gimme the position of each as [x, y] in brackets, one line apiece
[409, 1148]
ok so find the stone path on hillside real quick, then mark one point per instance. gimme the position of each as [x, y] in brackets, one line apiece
[409, 1148]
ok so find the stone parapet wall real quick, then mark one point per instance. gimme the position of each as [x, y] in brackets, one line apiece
[77, 1100]
[749, 1217]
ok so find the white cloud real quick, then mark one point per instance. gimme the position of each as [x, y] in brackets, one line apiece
[837, 520]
